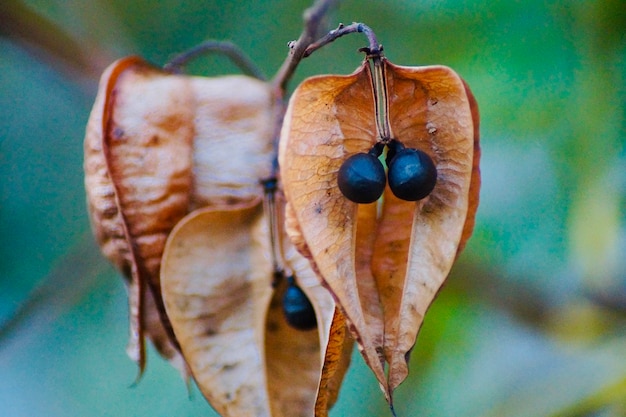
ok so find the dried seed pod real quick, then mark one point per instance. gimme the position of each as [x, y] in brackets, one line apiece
[138, 181]
[385, 270]
[157, 145]
[246, 359]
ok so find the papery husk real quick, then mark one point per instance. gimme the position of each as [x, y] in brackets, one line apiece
[311, 150]
[383, 265]
[138, 183]
[217, 286]
[157, 146]
[336, 363]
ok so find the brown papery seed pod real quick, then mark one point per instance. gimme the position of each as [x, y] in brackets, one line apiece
[218, 292]
[383, 263]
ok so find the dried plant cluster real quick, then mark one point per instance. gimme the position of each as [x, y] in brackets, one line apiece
[175, 168]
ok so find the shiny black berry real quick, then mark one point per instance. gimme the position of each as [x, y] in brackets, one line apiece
[412, 173]
[361, 177]
[297, 308]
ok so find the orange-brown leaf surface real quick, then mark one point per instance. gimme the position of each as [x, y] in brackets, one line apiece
[314, 143]
[217, 286]
[383, 263]
[157, 146]
[336, 362]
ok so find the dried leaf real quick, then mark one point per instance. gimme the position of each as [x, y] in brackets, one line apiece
[138, 180]
[339, 346]
[336, 362]
[234, 135]
[217, 286]
[332, 328]
[215, 293]
[430, 109]
[313, 145]
[474, 191]
[384, 270]
[157, 146]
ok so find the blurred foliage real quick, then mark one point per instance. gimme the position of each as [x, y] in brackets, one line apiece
[531, 322]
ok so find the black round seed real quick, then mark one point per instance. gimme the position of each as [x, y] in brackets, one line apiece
[412, 174]
[297, 308]
[361, 178]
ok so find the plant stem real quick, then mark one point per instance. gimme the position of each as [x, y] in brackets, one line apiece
[232, 51]
[374, 48]
[313, 17]
[269, 207]
[374, 54]
[306, 45]
[381, 102]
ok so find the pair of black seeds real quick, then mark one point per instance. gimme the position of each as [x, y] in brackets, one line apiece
[412, 174]
[361, 178]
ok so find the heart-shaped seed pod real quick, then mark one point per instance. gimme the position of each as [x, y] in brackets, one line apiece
[384, 263]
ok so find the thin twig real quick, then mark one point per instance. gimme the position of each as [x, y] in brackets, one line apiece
[313, 17]
[374, 55]
[232, 51]
[374, 48]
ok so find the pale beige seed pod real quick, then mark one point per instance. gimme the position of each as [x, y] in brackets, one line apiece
[157, 146]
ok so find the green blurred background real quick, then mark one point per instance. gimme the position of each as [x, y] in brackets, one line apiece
[532, 320]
